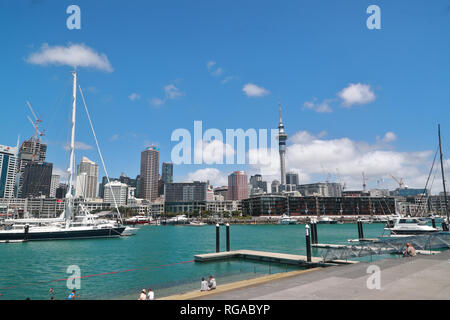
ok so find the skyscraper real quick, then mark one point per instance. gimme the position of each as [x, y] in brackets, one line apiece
[292, 178]
[120, 192]
[37, 179]
[31, 150]
[237, 186]
[90, 168]
[148, 187]
[54, 185]
[166, 175]
[8, 167]
[282, 137]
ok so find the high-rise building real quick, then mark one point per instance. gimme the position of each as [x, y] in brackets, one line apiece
[292, 178]
[282, 137]
[237, 186]
[31, 150]
[166, 176]
[8, 168]
[275, 186]
[167, 172]
[120, 192]
[61, 191]
[258, 186]
[90, 168]
[54, 185]
[148, 187]
[37, 179]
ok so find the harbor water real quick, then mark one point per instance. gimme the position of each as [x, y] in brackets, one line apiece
[157, 257]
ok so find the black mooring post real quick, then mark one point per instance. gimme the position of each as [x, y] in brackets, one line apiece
[228, 237]
[359, 229]
[444, 226]
[25, 236]
[433, 223]
[308, 244]
[311, 226]
[362, 229]
[316, 234]
[217, 238]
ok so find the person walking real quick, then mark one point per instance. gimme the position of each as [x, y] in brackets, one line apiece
[150, 294]
[204, 285]
[143, 295]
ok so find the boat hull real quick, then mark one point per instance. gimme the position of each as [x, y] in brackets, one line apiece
[62, 234]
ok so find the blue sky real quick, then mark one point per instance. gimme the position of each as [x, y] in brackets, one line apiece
[306, 51]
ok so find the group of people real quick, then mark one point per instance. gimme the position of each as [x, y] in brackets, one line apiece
[208, 285]
[150, 295]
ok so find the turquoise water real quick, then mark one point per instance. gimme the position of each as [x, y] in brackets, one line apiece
[158, 257]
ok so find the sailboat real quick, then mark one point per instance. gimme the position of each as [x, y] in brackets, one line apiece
[66, 226]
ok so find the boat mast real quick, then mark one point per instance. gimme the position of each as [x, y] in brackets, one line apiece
[69, 196]
[442, 171]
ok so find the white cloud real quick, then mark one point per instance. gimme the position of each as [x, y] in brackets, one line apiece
[210, 64]
[322, 107]
[64, 175]
[170, 92]
[114, 137]
[356, 94]
[213, 175]
[227, 79]
[389, 137]
[217, 72]
[79, 146]
[156, 102]
[134, 96]
[252, 90]
[74, 55]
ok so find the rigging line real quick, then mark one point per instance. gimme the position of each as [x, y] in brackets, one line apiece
[100, 153]
[428, 179]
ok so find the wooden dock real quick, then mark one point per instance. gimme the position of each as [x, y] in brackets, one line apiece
[282, 258]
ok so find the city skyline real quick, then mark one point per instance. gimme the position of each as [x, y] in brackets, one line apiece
[345, 113]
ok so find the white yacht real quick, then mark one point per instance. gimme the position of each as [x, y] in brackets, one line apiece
[326, 220]
[180, 219]
[408, 226]
[285, 219]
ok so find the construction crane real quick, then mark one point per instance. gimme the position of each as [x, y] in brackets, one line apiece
[36, 129]
[400, 182]
[338, 176]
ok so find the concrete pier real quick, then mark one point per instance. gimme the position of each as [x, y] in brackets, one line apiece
[420, 277]
[275, 257]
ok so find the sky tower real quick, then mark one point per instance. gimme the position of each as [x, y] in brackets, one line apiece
[282, 137]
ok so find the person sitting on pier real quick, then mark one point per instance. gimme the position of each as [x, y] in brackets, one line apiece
[204, 285]
[409, 251]
[211, 283]
[143, 295]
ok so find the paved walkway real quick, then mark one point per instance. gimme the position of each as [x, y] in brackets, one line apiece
[421, 277]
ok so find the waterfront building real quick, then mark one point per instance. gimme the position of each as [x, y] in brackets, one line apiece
[116, 190]
[186, 192]
[148, 184]
[408, 192]
[257, 184]
[237, 186]
[61, 191]
[8, 168]
[37, 179]
[54, 185]
[330, 189]
[314, 205]
[90, 169]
